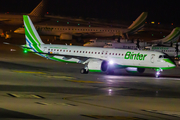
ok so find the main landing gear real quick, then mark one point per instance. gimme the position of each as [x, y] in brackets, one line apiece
[84, 71]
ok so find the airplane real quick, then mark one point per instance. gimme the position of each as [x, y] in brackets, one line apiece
[129, 44]
[171, 38]
[36, 15]
[96, 59]
[125, 45]
[171, 51]
[98, 42]
[66, 32]
[103, 42]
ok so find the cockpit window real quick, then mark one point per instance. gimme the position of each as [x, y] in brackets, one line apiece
[163, 56]
[91, 41]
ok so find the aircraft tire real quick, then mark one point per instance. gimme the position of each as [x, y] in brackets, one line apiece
[84, 71]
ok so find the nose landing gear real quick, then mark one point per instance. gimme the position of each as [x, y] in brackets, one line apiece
[158, 72]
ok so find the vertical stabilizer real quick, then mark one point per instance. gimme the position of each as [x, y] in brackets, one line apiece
[40, 9]
[138, 24]
[33, 39]
[172, 37]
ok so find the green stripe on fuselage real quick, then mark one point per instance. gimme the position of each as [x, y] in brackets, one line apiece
[94, 70]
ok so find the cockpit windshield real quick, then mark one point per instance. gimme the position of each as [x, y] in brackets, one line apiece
[166, 56]
[163, 56]
[91, 41]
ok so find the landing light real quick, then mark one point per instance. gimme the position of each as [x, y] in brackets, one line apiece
[110, 90]
[111, 62]
[157, 73]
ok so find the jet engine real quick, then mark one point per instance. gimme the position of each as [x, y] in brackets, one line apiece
[64, 37]
[98, 65]
[135, 70]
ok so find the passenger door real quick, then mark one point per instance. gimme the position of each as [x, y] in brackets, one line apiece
[152, 58]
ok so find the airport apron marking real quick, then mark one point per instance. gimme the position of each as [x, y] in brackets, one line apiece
[113, 117]
[29, 72]
[25, 96]
[81, 81]
[65, 77]
[107, 107]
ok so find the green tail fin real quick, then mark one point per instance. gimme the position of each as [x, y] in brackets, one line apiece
[173, 36]
[33, 39]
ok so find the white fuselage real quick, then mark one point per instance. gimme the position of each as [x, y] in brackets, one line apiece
[119, 56]
[76, 31]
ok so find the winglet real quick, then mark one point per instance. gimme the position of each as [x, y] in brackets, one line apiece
[138, 24]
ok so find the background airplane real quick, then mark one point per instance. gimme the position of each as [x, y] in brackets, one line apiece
[171, 51]
[36, 15]
[67, 32]
[137, 44]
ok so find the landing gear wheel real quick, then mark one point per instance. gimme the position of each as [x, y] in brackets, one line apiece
[84, 71]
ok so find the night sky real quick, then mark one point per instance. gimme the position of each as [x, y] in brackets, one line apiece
[164, 11]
